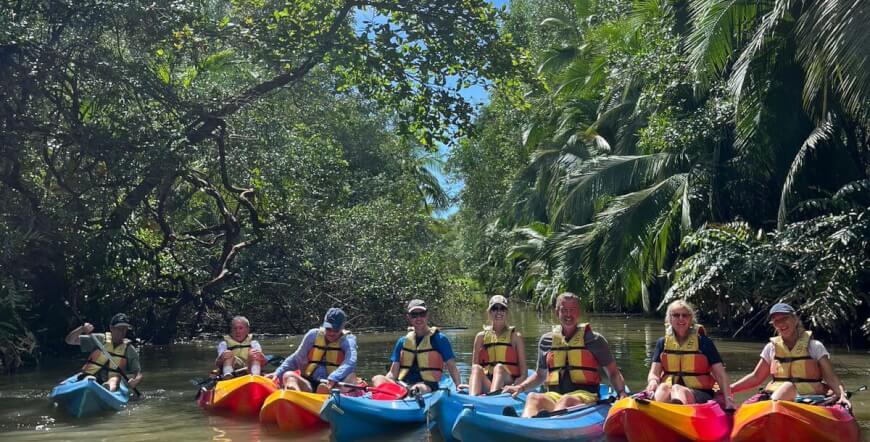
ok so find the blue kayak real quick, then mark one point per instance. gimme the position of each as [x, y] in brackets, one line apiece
[86, 397]
[354, 418]
[579, 424]
[447, 408]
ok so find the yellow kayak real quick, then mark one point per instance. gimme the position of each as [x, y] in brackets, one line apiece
[294, 410]
[240, 396]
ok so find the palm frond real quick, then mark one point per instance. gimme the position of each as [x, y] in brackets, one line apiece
[718, 29]
[819, 135]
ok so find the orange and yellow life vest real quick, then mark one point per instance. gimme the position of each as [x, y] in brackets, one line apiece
[98, 362]
[429, 361]
[685, 364]
[795, 366]
[499, 349]
[322, 353]
[240, 349]
[574, 359]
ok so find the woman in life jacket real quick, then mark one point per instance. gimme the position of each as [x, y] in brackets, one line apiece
[797, 364]
[686, 367]
[239, 350]
[498, 357]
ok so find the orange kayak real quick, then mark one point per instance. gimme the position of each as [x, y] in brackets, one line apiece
[294, 410]
[240, 396]
[639, 420]
[776, 421]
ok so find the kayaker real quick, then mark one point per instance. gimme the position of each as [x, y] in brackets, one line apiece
[239, 350]
[326, 356]
[123, 353]
[419, 358]
[498, 356]
[569, 359]
[798, 364]
[686, 366]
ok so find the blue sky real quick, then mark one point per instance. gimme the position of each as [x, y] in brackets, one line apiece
[477, 96]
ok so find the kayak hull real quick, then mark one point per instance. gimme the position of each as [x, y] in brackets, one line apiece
[642, 421]
[354, 418]
[450, 403]
[584, 424]
[767, 421]
[86, 397]
[294, 411]
[240, 396]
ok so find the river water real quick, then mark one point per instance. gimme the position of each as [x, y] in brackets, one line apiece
[170, 414]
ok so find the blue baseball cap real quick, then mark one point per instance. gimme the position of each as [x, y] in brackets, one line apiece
[334, 318]
[781, 307]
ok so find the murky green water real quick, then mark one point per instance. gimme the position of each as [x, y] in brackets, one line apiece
[170, 414]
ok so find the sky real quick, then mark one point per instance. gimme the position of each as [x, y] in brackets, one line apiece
[478, 97]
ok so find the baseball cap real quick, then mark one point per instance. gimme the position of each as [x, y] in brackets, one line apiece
[781, 308]
[334, 318]
[416, 304]
[120, 320]
[497, 300]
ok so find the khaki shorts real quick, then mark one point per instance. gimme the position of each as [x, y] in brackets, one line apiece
[584, 396]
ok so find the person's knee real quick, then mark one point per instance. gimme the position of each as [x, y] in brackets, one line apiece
[568, 401]
[477, 369]
[380, 380]
[786, 391]
[501, 369]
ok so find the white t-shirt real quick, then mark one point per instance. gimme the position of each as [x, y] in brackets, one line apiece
[816, 349]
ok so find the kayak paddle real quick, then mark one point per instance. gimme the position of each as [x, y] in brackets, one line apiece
[546, 413]
[115, 366]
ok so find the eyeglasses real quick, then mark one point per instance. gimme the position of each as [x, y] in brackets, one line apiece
[415, 315]
[498, 308]
[681, 315]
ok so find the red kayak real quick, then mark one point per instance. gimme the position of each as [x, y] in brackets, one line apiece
[787, 421]
[240, 396]
[641, 420]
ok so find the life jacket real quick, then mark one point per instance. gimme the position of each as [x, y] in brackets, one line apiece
[685, 364]
[429, 362]
[240, 349]
[499, 349]
[322, 353]
[795, 366]
[573, 359]
[97, 361]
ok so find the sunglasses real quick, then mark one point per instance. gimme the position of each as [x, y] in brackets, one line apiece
[498, 308]
[415, 315]
[681, 315]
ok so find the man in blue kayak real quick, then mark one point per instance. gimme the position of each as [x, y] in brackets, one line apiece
[569, 359]
[326, 356]
[239, 349]
[419, 358]
[102, 346]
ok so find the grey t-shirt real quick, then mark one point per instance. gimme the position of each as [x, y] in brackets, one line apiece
[595, 343]
[133, 367]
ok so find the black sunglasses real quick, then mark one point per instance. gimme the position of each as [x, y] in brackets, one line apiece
[417, 314]
[498, 308]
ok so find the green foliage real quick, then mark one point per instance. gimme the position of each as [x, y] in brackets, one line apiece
[820, 265]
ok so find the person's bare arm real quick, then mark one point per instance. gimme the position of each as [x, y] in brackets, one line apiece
[762, 370]
[520, 346]
[616, 379]
[74, 337]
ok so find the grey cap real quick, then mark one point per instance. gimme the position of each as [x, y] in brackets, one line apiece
[416, 304]
[781, 308]
[497, 300]
[120, 320]
[334, 318]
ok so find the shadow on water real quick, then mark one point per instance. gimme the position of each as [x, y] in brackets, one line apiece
[169, 413]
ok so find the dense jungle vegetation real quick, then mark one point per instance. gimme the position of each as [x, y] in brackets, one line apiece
[188, 161]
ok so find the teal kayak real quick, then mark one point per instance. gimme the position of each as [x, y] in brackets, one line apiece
[354, 418]
[86, 397]
[582, 423]
[447, 408]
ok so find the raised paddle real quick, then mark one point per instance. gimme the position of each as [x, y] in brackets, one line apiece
[115, 366]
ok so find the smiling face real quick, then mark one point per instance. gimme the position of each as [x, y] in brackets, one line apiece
[332, 334]
[239, 331]
[418, 319]
[785, 324]
[498, 314]
[568, 311]
[680, 319]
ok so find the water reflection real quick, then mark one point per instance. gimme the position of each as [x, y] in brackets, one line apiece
[169, 412]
